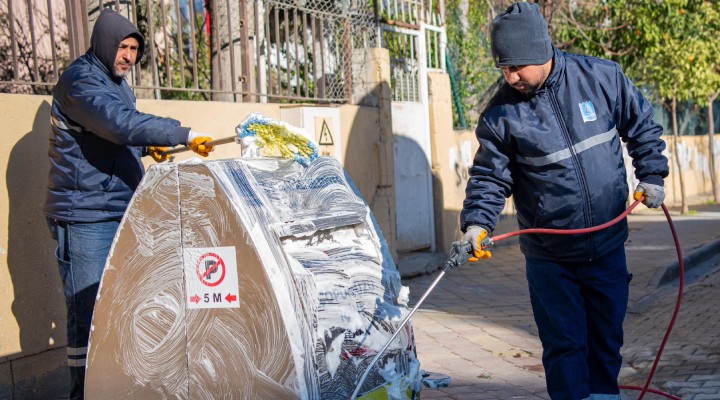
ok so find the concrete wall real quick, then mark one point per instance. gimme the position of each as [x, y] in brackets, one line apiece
[453, 153]
[32, 310]
[694, 162]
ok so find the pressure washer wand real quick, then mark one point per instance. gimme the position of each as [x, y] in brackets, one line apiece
[459, 255]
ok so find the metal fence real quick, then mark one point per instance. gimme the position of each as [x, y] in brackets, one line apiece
[258, 51]
[414, 33]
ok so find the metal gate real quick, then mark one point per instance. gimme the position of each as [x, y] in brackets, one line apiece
[412, 32]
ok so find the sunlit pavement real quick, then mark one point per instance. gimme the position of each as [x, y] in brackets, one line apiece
[477, 324]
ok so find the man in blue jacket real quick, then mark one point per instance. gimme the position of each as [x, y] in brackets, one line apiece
[98, 137]
[551, 137]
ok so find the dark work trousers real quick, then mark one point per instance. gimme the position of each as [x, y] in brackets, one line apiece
[81, 254]
[579, 308]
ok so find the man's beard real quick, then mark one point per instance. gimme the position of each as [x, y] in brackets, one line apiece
[528, 90]
[121, 75]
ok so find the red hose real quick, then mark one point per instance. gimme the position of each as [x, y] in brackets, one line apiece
[681, 265]
[569, 231]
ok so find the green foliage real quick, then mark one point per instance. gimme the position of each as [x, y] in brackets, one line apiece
[468, 48]
[604, 29]
[170, 70]
[668, 45]
[669, 36]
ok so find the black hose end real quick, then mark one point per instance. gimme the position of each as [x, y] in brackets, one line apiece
[459, 255]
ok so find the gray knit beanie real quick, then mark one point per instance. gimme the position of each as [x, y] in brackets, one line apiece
[520, 37]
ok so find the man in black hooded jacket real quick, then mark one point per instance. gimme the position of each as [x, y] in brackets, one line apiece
[98, 137]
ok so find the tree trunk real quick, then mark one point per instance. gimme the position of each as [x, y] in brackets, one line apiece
[684, 207]
[225, 47]
[711, 149]
[464, 8]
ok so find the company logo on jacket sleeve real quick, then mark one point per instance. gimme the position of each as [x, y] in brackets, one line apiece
[587, 109]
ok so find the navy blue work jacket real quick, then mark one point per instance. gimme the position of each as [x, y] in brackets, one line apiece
[97, 140]
[559, 154]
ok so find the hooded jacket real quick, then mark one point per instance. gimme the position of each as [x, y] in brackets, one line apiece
[559, 154]
[98, 136]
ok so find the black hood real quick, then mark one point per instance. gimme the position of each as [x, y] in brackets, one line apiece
[110, 29]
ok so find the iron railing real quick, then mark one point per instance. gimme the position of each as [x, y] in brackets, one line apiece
[230, 50]
[273, 50]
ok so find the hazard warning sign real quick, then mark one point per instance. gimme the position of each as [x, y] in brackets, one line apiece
[211, 277]
[324, 135]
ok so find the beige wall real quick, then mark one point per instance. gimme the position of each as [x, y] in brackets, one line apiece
[694, 161]
[32, 305]
[452, 153]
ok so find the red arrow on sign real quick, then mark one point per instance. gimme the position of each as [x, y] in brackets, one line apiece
[230, 298]
[195, 299]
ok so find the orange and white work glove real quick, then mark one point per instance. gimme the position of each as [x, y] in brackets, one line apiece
[654, 194]
[196, 143]
[156, 153]
[477, 236]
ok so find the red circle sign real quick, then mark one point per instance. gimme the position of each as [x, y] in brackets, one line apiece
[208, 267]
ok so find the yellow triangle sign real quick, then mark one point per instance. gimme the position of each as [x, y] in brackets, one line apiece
[325, 138]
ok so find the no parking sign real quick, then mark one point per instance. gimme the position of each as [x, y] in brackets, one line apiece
[211, 277]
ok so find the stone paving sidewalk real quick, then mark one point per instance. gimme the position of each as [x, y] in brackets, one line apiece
[477, 324]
